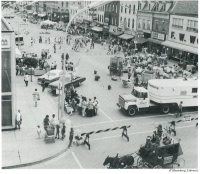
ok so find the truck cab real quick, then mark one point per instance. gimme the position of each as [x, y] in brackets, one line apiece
[137, 100]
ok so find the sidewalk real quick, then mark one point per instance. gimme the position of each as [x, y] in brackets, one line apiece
[19, 147]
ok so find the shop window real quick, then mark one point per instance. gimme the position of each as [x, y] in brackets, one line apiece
[156, 25]
[192, 39]
[194, 90]
[6, 112]
[172, 34]
[133, 21]
[181, 36]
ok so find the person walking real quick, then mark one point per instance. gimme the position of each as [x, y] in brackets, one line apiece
[90, 108]
[54, 48]
[26, 79]
[43, 84]
[83, 105]
[63, 131]
[71, 136]
[17, 69]
[57, 131]
[49, 40]
[95, 104]
[36, 97]
[19, 119]
[38, 132]
[180, 107]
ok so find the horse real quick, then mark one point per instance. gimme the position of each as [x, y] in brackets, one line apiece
[115, 163]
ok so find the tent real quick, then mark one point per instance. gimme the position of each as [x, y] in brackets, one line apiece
[17, 53]
[48, 22]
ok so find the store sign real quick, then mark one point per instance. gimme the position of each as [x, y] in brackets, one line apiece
[159, 36]
[5, 42]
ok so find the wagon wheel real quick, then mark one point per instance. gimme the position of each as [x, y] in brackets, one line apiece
[157, 167]
[178, 163]
[141, 164]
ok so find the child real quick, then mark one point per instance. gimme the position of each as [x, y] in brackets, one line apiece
[38, 132]
[63, 131]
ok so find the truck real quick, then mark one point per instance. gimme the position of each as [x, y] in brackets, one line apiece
[162, 94]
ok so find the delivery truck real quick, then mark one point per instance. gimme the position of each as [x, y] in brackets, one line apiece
[162, 94]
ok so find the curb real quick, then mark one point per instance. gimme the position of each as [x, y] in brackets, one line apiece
[36, 162]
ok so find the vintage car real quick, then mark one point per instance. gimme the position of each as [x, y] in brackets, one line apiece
[50, 76]
[75, 80]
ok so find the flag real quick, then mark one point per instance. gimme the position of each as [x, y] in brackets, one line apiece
[76, 66]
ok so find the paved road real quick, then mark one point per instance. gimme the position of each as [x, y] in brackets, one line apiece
[109, 115]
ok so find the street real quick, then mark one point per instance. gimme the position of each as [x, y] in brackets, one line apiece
[109, 115]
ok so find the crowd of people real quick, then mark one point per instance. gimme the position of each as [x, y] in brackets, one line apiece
[80, 104]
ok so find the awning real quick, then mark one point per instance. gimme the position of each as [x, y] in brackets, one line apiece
[117, 33]
[155, 41]
[126, 36]
[29, 11]
[83, 26]
[140, 40]
[180, 47]
[98, 29]
[35, 13]
[42, 15]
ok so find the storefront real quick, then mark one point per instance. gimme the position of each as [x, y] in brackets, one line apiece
[97, 32]
[140, 42]
[155, 43]
[8, 73]
[115, 31]
[105, 32]
[127, 36]
[180, 52]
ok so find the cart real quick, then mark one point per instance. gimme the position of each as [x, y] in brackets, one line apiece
[162, 155]
[49, 135]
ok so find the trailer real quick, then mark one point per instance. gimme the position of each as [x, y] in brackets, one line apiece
[165, 94]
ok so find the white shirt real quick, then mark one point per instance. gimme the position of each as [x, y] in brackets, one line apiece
[26, 77]
[18, 116]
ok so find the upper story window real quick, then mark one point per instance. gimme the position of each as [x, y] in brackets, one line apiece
[143, 24]
[156, 25]
[129, 22]
[172, 34]
[139, 23]
[149, 6]
[113, 8]
[148, 25]
[177, 23]
[109, 8]
[122, 8]
[133, 9]
[129, 9]
[163, 25]
[116, 8]
[125, 8]
[164, 6]
[133, 23]
[192, 26]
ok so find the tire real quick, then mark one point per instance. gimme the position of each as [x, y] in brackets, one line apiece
[132, 111]
[165, 109]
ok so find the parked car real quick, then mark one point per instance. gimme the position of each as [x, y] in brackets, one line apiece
[50, 76]
[76, 81]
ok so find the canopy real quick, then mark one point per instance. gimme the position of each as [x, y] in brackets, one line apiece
[42, 15]
[126, 36]
[155, 41]
[140, 40]
[181, 47]
[48, 22]
[98, 29]
[17, 53]
[117, 33]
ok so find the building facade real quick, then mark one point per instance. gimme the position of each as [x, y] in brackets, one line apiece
[182, 43]
[8, 74]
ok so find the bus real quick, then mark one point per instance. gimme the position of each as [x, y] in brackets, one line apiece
[19, 40]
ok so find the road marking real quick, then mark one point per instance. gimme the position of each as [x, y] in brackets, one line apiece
[79, 164]
[136, 133]
[106, 115]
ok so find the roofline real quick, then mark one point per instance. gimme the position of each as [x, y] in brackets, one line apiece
[173, 7]
[7, 24]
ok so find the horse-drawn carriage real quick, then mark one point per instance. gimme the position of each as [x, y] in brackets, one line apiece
[160, 151]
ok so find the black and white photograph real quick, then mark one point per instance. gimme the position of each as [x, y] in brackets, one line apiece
[99, 85]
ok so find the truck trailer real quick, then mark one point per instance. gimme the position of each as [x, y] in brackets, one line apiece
[165, 94]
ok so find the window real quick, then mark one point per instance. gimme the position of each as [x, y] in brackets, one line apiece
[133, 9]
[115, 21]
[102, 18]
[129, 22]
[103, 7]
[125, 21]
[113, 9]
[149, 6]
[194, 90]
[177, 23]
[164, 6]
[163, 25]
[192, 39]
[133, 23]
[148, 25]
[109, 8]
[192, 26]
[143, 24]
[121, 19]
[125, 8]
[122, 8]
[98, 17]
[116, 8]
[62, 3]
[112, 21]
[156, 25]
[139, 23]
[172, 34]
[181, 36]
[129, 9]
